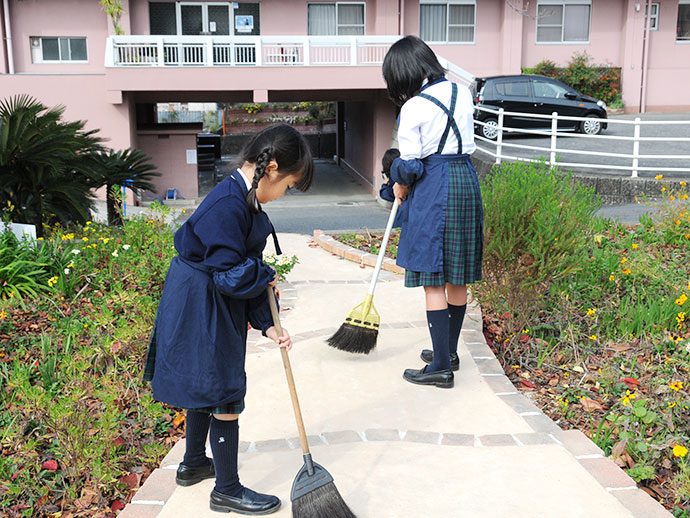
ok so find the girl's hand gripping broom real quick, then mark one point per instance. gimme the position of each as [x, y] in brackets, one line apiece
[314, 494]
[361, 327]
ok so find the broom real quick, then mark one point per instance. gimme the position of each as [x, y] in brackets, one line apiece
[314, 494]
[361, 327]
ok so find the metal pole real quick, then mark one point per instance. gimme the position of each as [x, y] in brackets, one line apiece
[554, 129]
[636, 147]
[645, 56]
[499, 137]
[8, 37]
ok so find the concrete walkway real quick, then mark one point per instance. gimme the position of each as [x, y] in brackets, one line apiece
[395, 450]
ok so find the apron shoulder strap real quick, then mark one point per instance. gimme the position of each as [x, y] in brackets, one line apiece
[451, 124]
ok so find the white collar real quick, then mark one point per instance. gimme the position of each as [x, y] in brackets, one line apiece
[246, 180]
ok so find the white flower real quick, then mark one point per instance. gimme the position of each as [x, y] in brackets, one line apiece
[126, 247]
[114, 254]
[76, 252]
[66, 271]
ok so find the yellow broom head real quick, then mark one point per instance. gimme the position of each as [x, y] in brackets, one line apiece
[359, 331]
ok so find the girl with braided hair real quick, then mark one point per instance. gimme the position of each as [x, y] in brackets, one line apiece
[214, 287]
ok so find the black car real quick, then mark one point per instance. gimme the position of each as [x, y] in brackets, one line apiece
[534, 94]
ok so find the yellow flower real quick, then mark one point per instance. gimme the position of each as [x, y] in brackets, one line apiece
[624, 260]
[659, 177]
[88, 223]
[684, 197]
[683, 184]
[677, 222]
[52, 281]
[85, 239]
[671, 405]
[86, 325]
[591, 311]
[680, 451]
[682, 299]
[678, 385]
[672, 198]
[626, 271]
[3, 314]
[663, 189]
[39, 239]
[10, 294]
[626, 399]
[593, 337]
[634, 246]
[525, 331]
[611, 277]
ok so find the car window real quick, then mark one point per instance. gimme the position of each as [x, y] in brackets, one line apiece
[512, 88]
[551, 90]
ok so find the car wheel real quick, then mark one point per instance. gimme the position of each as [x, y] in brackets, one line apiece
[591, 126]
[490, 128]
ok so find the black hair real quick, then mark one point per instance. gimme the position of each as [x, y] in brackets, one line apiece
[387, 161]
[408, 62]
[288, 148]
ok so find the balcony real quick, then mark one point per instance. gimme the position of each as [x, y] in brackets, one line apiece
[246, 51]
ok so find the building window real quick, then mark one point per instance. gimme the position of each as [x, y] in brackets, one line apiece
[336, 19]
[563, 21]
[654, 18]
[58, 50]
[452, 22]
[683, 26]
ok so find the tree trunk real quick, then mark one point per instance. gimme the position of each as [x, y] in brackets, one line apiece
[114, 216]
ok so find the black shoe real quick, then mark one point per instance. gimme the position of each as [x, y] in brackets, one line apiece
[250, 502]
[441, 379]
[188, 476]
[428, 356]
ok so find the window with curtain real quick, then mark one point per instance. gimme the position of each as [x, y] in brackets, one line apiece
[447, 22]
[683, 26]
[335, 19]
[563, 22]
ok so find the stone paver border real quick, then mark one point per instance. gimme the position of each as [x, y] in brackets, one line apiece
[330, 244]
[151, 497]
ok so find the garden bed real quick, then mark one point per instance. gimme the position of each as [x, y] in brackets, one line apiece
[589, 318]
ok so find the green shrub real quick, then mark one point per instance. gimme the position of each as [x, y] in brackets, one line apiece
[536, 221]
[598, 81]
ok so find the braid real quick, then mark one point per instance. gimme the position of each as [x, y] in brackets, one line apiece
[262, 161]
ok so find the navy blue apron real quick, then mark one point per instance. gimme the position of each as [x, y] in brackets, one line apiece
[421, 241]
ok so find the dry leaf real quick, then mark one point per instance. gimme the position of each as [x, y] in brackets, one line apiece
[553, 381]
[590, 404]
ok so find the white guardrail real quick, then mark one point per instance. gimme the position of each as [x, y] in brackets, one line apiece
[632, 159]
[162, 51]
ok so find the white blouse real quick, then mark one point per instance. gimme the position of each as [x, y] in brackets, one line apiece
[422, 123]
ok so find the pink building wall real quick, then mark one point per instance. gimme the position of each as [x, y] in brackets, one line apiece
[368, 131]
[168, 150]
[669, 65]
[64, 18]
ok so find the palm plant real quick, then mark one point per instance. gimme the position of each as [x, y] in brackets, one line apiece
[130, 167]
[43, 177]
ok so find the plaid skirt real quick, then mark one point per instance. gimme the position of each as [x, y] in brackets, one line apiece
[463, 234]
[234, 407]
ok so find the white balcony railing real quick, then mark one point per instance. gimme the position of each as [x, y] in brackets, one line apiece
[168, 51]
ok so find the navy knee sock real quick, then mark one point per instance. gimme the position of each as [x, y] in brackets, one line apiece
[456, 316]
[224, 438]
[196, 431]
[438, 328]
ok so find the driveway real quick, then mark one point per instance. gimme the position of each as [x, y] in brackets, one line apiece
[585, 146]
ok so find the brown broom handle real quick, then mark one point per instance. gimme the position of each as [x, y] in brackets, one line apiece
[288, 374]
